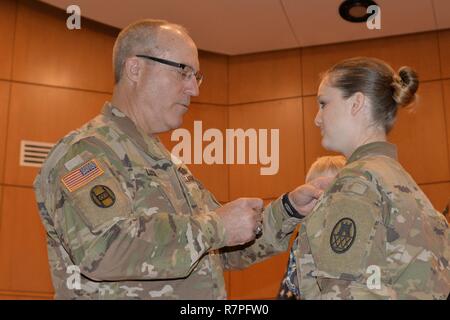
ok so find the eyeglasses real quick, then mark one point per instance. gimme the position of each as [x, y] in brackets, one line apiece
[187, 72]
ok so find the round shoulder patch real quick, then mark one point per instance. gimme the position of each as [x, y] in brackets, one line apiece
[343, 235]
[103, 196]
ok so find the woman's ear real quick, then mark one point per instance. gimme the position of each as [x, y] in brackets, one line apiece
[358, 101]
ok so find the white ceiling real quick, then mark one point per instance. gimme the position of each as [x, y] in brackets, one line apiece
[246, 26]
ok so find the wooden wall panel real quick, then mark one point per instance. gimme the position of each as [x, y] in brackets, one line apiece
[46, 52]
[10, 295]
[5, 255]
[416, 51]
[444, 46]
[438, 193]
[214, 88]
[4, 100]
[7, 27]
[313, 138]
[226, 276]
[1, 199]
[213, 176]
[265, 76]
[446, 87]
[44, 114]
[421, 136]
[23, 251]
[260, 281]
[285, 115]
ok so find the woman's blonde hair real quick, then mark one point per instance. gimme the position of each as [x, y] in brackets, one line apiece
[386, 89]
[324, 165]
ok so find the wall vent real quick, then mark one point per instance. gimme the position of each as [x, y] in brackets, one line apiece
[34, 153]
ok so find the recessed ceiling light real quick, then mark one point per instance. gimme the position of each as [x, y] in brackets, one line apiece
[355, 10]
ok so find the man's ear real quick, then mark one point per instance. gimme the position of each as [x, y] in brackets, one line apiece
[358, 101]
[132, 69]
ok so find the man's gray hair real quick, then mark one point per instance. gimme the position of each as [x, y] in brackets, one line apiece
[140, 37]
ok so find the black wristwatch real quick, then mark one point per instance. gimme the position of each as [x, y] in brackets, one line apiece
[290, 208]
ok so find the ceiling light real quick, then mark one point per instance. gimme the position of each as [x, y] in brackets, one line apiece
[355, 10]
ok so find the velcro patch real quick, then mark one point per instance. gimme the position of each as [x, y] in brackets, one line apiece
[74, 162]
[81, 176]
[340, 233]
[355, 187]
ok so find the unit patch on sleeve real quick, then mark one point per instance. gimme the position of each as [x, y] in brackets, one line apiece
[103, 196]
[81, 176]
[343, 235]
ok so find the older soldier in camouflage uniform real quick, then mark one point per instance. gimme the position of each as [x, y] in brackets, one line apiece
[126, 220]
[373, 234]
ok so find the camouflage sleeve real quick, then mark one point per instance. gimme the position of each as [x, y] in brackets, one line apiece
[277, 229]
[345, 234]
[372, 244]
[115, 228]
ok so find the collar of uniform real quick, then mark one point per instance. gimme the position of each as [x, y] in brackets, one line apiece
[147, 143]
[382, 148]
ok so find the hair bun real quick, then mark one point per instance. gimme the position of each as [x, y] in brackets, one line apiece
[405, 86]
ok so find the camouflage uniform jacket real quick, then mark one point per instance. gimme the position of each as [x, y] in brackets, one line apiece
[126, 221]
[373, 235]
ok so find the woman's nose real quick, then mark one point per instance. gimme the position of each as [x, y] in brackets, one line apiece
[318, 119]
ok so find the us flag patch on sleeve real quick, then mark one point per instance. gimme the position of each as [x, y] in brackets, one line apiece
[81, 176]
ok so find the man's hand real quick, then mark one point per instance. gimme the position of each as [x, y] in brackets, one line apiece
[305, 197]
[240, 219]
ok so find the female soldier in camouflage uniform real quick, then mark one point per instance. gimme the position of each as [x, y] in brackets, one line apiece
[374, 234]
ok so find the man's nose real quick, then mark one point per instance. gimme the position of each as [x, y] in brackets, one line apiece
[192, 87]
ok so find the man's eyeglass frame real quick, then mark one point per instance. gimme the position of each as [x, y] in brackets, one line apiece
[184, 67]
